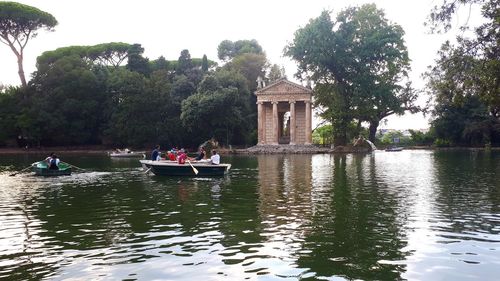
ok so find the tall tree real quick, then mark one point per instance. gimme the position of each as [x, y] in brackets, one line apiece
[136, 62]
[18, 24]
[204, 63]
[219, 109]
[357, 63]
[68, 102]
[467, 72]
[228, 50]
[276, 72]
[114, 53]
[184, 63]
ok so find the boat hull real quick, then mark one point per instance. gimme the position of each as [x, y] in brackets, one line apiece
[42, 169]
[128, 155]
[171, 168]
[394, 149]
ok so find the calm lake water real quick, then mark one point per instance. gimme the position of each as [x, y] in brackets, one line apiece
[410, 215]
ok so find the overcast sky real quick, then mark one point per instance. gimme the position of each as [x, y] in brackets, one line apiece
[165, 28]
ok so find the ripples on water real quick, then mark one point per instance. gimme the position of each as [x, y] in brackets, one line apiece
[414, 215]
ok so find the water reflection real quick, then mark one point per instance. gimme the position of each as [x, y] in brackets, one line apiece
[414, 215]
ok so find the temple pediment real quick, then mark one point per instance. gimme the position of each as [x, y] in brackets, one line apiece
[283, 87]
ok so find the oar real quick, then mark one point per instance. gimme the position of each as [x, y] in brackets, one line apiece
[75, 166]
[194, 169]
[147, 171]
[29, 167]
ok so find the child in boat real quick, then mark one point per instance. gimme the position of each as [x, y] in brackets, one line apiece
[181, 156]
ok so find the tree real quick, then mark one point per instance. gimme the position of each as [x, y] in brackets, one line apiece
[136, 62]
[139, 111]
[356, 62]
[10, 106]
[160, 64]
[219, 108]
[204, 64]
[67, 103]
[114, 53]
[385, 102]
[228, 50]
[465, 79]
[18, 24]
[276, 72]
[184, 63]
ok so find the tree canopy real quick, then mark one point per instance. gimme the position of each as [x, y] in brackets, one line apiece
[18, 24]
[358, 62]
[464, 81]
[228, 50]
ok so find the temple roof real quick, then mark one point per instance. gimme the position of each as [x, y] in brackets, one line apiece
[283, 86]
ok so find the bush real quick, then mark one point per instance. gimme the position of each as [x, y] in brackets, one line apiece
[441, 143]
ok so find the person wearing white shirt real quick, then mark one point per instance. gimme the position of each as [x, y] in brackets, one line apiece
[215, 159]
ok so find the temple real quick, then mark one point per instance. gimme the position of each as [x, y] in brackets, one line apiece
[284, 113]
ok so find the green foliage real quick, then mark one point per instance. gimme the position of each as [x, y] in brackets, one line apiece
[10, 101]
[394, 137]
[323, 135]
[19, 23]
[83, 95]
[204, 64]
[219, 109]
[276, 72]
[421, 138]
[249, 65]
[184, 63]
[160, 64]
[228, 50]
[136, 118]
[136, 62]
[68, 102]
[464, 82]
[441, 143]
[465, 123]
[357, 62]
[113, 53]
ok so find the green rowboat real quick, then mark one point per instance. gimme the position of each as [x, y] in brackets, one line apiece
[42, 169]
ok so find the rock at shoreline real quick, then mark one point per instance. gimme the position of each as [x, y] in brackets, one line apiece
[284, 149]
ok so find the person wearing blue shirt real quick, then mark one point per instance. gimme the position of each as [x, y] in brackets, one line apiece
[155, 153]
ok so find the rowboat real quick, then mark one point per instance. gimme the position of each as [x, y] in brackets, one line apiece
[127, 153]
[172, 168]
[393, 149]
[42, 169]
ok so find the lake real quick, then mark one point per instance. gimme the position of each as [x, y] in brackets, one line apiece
[410, 215]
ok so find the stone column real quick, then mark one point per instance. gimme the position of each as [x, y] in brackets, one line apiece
[275, 123]
[292, 122]
[308, 123]
[260, 123]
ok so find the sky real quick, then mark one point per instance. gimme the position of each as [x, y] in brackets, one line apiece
[165, 28]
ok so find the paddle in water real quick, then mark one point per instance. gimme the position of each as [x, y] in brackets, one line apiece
[18, 172]
[194, 169]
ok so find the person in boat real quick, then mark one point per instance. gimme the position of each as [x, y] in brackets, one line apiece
[49, 158]
[200, 156]
[215, 159]
[155, 153]
[54, 162]
[171, 155]
[181, 156]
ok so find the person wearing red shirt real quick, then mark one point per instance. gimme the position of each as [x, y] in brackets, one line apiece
[181, 157]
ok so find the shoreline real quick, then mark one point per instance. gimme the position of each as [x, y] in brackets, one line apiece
[93, 150]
